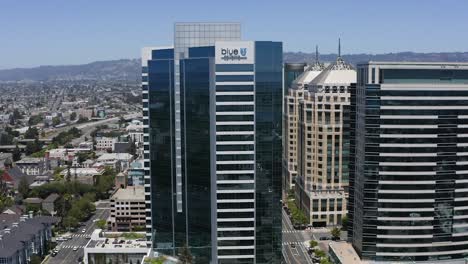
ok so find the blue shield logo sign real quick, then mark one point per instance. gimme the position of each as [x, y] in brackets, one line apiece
[243, 51]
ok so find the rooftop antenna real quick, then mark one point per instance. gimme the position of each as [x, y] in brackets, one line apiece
[339, 47]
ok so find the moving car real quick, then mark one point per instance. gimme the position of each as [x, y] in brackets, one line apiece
[75, 248]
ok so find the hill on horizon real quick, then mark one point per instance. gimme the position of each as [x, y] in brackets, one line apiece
[130, 69]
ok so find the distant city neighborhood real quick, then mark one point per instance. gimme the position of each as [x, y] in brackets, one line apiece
[71, 169]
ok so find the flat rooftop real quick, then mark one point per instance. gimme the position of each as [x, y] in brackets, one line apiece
[345, 252]
[111, 240]
[130, 193]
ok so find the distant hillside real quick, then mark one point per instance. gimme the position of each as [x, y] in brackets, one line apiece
[400, 56]
[100, 70]
[129, 69]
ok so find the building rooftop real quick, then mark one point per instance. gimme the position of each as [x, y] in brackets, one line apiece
[5, 155]
[28, 160]
[120, 241]
[20, 230]
[115, 156]
[130, 193]
[339, 72]
[345, 252]
[33, 200]
[84, 171]
[51, 198]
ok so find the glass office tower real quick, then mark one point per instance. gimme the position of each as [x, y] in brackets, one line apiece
[212, 111]
[409, 165]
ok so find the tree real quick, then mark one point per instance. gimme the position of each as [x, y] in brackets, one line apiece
[17, 115]
[69, 222]
[313, 243]
[23, 187]
[6, 139]
[34, 120]
[72, 116]
[185, 256]
[31, 133]
[33, 147]
[344, 223]
[325, 261]
[336, 233]
[101, 224]
[82, 120]
[56, 120]
[320, 253]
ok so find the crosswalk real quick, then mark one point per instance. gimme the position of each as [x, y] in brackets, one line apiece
[295, 231]
[293, 242]
[80, 235]
[71, 246]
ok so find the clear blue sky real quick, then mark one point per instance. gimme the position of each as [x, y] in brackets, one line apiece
[51, 32]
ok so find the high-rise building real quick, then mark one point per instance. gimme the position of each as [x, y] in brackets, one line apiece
[317, 140]
[409, 161]
[291, 72]
[323, 145]
[295, 93]
[213, 130]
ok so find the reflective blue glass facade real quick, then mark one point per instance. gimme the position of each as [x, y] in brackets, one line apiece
[408, 171]
[222, 199]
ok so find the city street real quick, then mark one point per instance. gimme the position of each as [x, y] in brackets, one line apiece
[295, 242]
[66, 254]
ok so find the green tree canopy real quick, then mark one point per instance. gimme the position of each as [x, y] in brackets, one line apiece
[313, 243]
[336, 233]
[31, 133]
[23, 187]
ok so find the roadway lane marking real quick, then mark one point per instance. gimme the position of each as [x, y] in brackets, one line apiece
[292, 242]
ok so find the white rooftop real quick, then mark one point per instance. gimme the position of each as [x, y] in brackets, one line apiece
[130, 193]
[338, 72]
[115, 156]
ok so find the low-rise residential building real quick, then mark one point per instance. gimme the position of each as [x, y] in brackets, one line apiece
[31, 166]
[113, 247]
[65, 153]
[119, 161]
[85, 113]
[48, 203]
[135, 131]
[127, 209]
[5, 158]
[12, 176]
[5, 118]
[105, 143]
[24, 236]
[84, 175]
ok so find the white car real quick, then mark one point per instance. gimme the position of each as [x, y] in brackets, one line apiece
[75, 248]
[83, 230]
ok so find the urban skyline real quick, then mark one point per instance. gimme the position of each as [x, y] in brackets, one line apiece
[212, 144]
